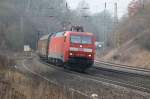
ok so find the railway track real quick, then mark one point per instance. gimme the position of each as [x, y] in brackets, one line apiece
[122, 67]
[123, 79]
[129, 80]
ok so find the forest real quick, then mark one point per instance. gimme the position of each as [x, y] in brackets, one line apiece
[23, 21]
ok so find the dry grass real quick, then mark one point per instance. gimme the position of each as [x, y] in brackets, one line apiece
[33, 87]
[30, 88]
[132, 55]
[18, 85]
[5, 62]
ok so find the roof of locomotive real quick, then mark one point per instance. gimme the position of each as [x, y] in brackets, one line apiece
[67, 32]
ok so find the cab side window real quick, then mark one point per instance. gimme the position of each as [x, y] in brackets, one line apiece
[59, 34]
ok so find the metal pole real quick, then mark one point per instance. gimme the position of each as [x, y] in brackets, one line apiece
[28, 5]
[37, 38]
[104, 32]
[21, 29]
[116, 38]
[142, 3]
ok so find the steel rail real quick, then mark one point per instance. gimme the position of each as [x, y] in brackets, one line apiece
[132, 83]
[103, 79]
[122, 67]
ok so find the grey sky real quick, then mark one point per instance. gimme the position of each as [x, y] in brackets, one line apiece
[98, 5]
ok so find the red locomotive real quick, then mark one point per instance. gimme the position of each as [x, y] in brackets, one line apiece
[68, 48]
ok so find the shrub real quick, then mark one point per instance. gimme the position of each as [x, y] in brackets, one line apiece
[5, 61]
[144, 41]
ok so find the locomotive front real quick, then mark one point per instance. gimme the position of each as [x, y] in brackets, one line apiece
[81, 49]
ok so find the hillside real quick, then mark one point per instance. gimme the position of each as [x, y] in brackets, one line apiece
[134, 36]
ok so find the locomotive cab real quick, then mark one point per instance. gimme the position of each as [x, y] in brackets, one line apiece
[81, 49]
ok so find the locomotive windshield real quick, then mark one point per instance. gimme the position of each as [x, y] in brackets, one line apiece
[81, 39]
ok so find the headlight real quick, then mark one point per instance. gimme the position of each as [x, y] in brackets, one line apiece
[87, 50]
[71, 54]
[89, 55]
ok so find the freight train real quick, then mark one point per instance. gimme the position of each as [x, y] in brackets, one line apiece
[70, 49]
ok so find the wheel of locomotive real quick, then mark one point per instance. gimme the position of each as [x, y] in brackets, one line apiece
[55, 61]
[60, 62]
[50, 60]
[66, 66]
[80, 70]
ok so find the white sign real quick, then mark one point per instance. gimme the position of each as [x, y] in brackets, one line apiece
[99, 44]
[27, 48]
